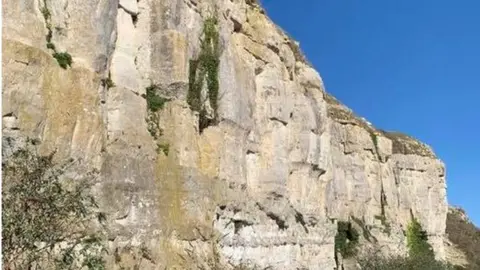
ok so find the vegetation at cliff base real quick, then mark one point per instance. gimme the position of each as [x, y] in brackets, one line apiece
[417, 241]
[47, 218]
[379, 262]
[420, 254]
[465, 236]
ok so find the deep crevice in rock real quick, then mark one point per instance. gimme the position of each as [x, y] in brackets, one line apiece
[280, 222]
[278, 120]
[134, 15]
[239, 224]
[22, 62]
[299, 219]
[274, 195]
[273, 49]
[319, 170]
[255, 55]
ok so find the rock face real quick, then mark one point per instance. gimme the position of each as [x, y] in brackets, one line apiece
[263, 185]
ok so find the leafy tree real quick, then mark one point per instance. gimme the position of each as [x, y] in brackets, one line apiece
[417, 241]
[47, 218]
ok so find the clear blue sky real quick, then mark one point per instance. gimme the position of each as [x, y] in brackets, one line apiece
[409, 65]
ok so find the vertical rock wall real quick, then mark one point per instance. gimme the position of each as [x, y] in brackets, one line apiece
[263, 187]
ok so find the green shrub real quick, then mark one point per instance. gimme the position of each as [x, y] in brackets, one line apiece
[64, 59]
[45, 12]
[421, 255]
[152, 126]
[417, 241]
[205, 67]
[164, 147]
[194, 94]
[47, 218]
[51, 46]
[346, 239]
[154, 101]
[378, 262]
[374, 138]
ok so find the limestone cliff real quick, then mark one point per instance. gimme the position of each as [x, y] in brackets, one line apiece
[216, 141]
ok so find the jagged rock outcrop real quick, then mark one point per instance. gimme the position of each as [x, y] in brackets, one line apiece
[260, 182]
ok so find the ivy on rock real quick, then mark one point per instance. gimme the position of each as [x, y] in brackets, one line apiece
[205, 68]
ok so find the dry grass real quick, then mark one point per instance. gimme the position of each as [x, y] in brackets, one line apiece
[465, 235]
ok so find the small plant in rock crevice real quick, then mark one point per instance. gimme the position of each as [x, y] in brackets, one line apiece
[108, 82]
[382, 217]
[164, 147]
[205, 67]
[64, 59]
[155, 103]
[51, 46]
[375, 144]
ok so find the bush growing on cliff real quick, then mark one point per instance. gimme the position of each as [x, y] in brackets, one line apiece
[205, 67]
[46, 218]
[64, 59]
[154, 101]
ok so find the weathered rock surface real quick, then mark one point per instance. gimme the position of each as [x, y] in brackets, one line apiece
[262, 188]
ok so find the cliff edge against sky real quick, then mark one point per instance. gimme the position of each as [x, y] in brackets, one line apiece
[215, 139]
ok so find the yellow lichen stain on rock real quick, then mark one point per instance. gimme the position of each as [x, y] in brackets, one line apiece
[178, 127]
[68, 101]
[210, 145]
[188, 185]
[169, 178]
[71, 102]
[169, 58]
[170, 182]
